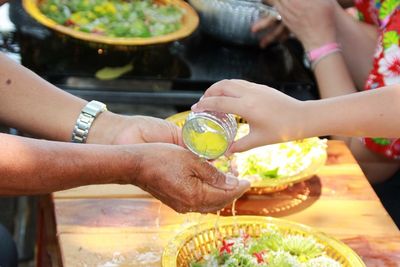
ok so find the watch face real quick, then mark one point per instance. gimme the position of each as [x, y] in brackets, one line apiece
[306, 61]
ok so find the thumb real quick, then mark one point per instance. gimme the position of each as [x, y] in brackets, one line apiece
[213, 177]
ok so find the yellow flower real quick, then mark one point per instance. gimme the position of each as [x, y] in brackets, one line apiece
[53, 8]
[110, 7]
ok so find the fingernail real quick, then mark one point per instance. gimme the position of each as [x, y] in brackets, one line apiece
[231, 181]
[196, 108]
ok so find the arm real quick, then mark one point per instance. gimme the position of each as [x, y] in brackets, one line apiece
[339, 73]
[313, 22]
[280, 118]
[368, 113]
[319, 22]
[35, 106]
[358, 41]
[29, 166]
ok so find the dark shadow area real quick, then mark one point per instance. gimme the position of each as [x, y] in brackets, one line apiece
[177, 72]
[389, 194]
[291, 200]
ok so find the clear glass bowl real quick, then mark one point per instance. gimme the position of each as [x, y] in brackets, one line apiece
[209, 134]
[231, 20]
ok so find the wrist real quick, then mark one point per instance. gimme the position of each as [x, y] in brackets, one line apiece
[301, 124]
[103, 130]
[310, 45]
[314, 118]
[85, 120]
[314, 56]
[134, 165]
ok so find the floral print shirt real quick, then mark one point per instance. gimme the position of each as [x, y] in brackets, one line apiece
[386, 64]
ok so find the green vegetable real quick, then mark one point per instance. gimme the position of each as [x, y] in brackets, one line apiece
[304, 248]
[118, 18]
[381, 141]
[109, 73]
[272, 240]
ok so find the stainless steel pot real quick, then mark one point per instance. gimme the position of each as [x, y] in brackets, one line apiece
[231, 20]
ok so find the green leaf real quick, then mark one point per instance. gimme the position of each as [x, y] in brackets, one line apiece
[390, 38]
[360, 16]
[381, 141]
[269, 173]
[110, 73]
[387, 8]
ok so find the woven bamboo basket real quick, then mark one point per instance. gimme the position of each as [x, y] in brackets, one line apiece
[197, 241]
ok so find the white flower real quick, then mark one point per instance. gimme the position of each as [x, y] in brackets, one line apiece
[322, 261]
[389, 65]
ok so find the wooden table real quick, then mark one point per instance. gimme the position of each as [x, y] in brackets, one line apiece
[99, 225]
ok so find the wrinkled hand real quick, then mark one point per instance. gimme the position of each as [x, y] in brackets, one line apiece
[269, 29]
[110, 128]
[312, 21]
[273, 116]
[185, 182]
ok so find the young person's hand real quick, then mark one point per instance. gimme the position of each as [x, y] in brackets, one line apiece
[273, 116]
[269, 28]
[311, 21]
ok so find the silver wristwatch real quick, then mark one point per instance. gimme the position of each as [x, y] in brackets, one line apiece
[85, 120]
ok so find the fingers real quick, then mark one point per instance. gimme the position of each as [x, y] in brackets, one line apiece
[220, 104]
[232, 88]
[263, 23]
[215, 199]
[286, 9]
[284, 35]
[226, 88]
[273, 35]
[208, 174]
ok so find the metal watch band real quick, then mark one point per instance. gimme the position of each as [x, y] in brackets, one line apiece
[85, 120]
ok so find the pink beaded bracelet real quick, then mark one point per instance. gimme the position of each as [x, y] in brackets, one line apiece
[315, 55]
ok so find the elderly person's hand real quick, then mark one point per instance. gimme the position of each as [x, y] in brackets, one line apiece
[185, 182]
[312, 21]
[111, 128]
[269, 28]
[170, 173]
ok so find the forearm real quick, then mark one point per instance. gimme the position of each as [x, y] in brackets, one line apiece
[331, 71]
[30, 166]
[33, 105]
[358, 41]
[333, 77]
[371, 113]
